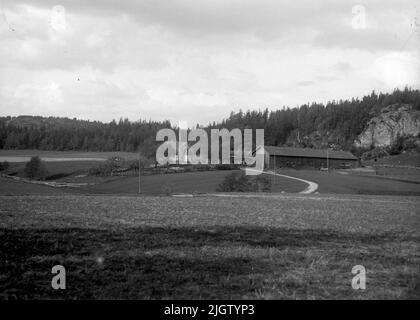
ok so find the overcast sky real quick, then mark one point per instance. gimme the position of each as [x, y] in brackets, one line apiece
[195, 60]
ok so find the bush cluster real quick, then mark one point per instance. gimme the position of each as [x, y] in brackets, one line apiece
[4, 165]
[240, 182]
[106, 168]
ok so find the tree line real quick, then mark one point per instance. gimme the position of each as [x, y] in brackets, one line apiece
[63, 134]
[334, 124]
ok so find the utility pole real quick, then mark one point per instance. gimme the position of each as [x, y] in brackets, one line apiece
[328, 164]
[139, 175]
[274, 167]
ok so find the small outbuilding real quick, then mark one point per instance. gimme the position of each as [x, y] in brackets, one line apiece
[276, 157]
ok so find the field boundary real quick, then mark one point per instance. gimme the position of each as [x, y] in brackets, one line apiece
[53, 184]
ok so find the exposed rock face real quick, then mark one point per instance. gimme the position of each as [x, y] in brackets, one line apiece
[383, 130]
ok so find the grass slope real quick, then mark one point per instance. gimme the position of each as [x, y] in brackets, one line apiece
[204, 247]
[403, 159]
[189, 182]
[55, 170]
[336, 183]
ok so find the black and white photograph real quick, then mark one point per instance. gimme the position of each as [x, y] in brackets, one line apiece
[227, 151]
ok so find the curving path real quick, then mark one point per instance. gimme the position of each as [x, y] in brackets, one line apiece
[311, 188]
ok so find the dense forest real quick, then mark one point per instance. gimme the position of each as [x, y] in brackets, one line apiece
[61, 134]
[335, 125]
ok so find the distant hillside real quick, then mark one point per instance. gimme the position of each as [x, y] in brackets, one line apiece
[336, 125]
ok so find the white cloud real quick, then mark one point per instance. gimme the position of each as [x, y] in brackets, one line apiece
[197, 60]
[397, 69]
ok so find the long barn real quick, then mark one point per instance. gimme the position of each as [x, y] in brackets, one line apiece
[275, 157]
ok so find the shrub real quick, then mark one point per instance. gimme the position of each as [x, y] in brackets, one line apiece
[203, 167]
[226, 166]
[375, 153]
[263, 183]
[106, 168]
[188, 168]
[403, 143]
[236, 181]
[35, 169]
[240, 182]
[144, 163]
[411, 143]
[397, 146]
[57, 176]
[4, 166]
[167, 189]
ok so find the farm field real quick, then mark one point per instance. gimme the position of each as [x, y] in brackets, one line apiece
[188, 182]
[337, 183]
[55, 170]
[12, 187]
[116, 244]
[394, 173]
[404, 159]
[207, 182]
[287, 246]
[404, 181]
[24, 155]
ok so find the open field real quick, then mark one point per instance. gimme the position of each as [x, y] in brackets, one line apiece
[207, 182]
[405, 166]
[204, 247]
[24, 155]
[404, 159]
[337, 183]
[12, 187]
[189, 182]
[55, 170]
[410, 174]
[403, 181]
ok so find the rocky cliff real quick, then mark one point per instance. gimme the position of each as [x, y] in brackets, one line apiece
[393, 121]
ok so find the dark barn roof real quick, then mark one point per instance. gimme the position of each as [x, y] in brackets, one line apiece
[309, 153]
